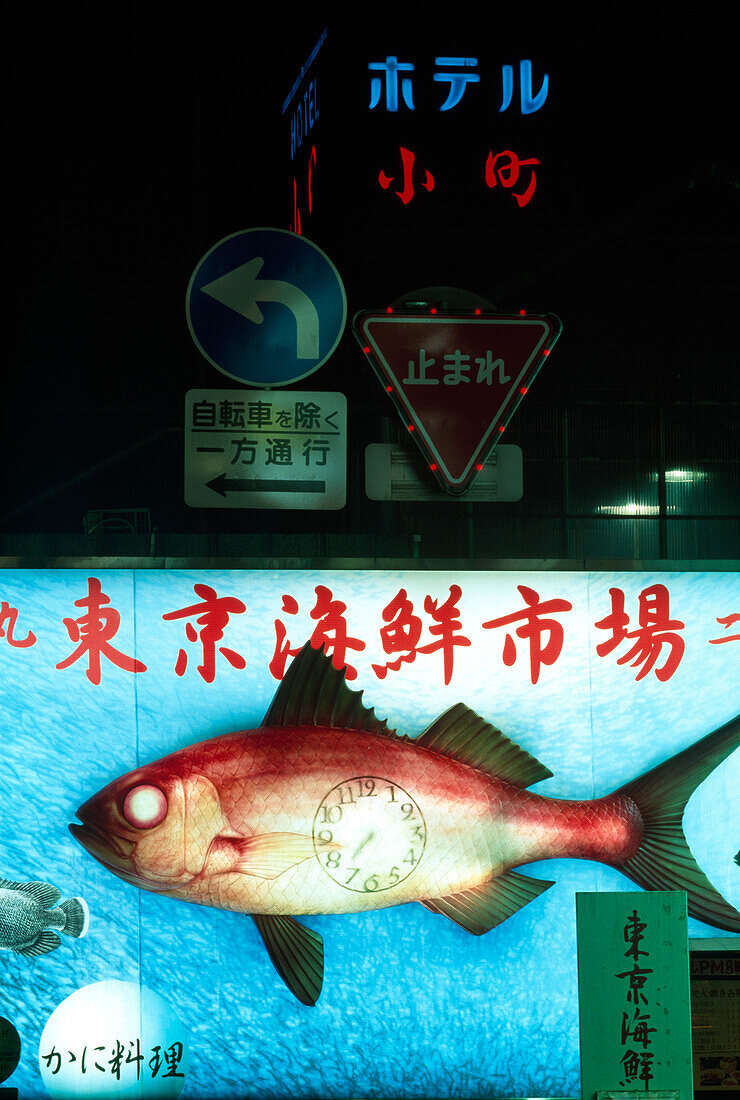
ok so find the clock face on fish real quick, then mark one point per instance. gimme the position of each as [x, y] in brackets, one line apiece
[381, 831]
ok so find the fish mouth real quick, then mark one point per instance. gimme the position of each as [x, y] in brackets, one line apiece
[114, 852]
[101, 843]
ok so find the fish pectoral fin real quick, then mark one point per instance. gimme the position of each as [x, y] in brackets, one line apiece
[45, 942]
[481, 908]
[296, 952]
[266, 855]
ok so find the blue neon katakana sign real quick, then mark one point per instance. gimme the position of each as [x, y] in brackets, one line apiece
[392, 83]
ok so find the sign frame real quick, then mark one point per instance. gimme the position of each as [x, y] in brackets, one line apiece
[634, 998]
[244, 456]
[388, 373]
[231, 280]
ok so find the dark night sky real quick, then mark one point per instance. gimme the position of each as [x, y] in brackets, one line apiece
[135, 141]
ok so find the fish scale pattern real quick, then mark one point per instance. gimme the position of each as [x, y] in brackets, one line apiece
[608, 829]
[20, 919]
[272, 781]
[249, 816]
[28, 911]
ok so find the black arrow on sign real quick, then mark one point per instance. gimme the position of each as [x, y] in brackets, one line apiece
[223, 485]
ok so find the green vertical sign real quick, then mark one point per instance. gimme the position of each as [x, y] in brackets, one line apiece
[633, 993]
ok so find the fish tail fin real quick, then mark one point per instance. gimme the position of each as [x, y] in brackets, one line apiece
[77, 917]
[664, 860]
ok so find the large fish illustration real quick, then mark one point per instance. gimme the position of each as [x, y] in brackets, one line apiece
[31, 915]
[324, 809]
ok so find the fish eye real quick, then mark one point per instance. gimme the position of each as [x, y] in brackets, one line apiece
[145, 806]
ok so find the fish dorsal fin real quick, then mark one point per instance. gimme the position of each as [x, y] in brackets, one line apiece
[296, 952]
[314, 693]
[465, 736]
[483, 907]
[42, 892]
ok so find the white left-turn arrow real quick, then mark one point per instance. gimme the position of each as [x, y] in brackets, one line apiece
[241, 290]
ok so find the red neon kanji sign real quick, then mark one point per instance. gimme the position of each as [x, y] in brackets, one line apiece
[456, 379]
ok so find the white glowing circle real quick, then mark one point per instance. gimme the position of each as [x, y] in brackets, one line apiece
[145, 806]
[114, 1039]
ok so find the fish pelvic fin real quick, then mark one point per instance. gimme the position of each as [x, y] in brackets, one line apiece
[314, 693]
[45, 942]
[296, 952]
[77, 917]
[664, 860]
[481, 908]
[463, 735]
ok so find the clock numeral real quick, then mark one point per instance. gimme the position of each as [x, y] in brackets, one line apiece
[347, 822]
[331, 815]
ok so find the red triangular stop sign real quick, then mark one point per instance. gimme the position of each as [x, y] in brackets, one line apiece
[456, 379]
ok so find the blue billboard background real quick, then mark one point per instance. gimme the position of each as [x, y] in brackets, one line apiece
[412, 1006]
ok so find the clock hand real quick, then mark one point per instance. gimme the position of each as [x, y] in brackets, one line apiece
[367, 840]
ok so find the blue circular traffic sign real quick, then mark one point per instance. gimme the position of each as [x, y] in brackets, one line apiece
[266, 307]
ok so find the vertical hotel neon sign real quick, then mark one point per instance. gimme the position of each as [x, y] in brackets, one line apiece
[304, 116]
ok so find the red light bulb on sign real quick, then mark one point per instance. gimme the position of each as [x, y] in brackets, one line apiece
[422, 354]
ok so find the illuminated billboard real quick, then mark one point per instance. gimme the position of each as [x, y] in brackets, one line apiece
[182, 748]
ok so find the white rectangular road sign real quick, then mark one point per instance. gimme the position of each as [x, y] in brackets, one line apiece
[265, 449]
[394, 472]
